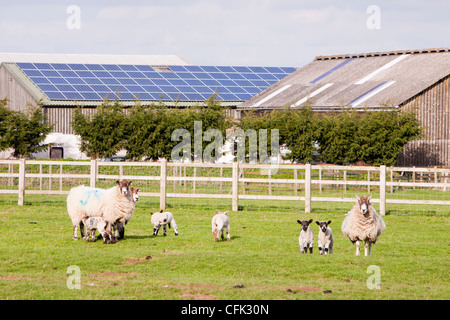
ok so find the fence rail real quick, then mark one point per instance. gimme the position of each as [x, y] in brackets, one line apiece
[233, 180]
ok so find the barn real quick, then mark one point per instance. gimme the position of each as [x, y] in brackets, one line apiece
[61, 83]
[417, 80]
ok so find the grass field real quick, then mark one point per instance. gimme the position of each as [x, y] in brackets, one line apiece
[262, 260]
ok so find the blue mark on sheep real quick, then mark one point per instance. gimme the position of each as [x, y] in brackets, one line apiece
[96, 192]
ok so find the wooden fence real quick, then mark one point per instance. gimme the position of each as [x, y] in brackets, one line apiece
[14, 174]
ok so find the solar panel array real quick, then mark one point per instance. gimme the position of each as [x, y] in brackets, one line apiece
[80, 82]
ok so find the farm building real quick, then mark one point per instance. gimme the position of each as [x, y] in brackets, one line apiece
[417, 80]
[61, 83]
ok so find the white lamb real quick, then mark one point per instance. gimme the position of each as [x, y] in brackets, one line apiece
[306, 238]
[363, 223]
[163, 219]
[115, 204]
[219, 222]
[100, 224]
[325, 238]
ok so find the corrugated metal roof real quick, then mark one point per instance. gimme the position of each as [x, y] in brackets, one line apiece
[359, 80]
[155, 60]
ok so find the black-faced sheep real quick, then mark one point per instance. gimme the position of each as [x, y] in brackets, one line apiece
[363, 223]
[219, 222]
[325, 237]
[163, 219]
[306, 238]
[114, 204]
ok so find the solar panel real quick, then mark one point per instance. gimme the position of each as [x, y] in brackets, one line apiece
[77, 81]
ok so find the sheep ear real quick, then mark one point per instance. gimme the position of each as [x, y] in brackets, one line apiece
[117, 181]
[357, 197]
[129, 183]
[138, 189]
[217, 212]
[226, 212]
[161, 211]
[318, 223]
[329, 222]
[310, 220]
[368, 199]
[298, 221]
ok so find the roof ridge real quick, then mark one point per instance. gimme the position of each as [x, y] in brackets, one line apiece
[383, 53]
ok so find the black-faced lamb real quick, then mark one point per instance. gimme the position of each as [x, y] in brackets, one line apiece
[100, 224]
[114, 204]
[306, 238]
[363, 223]
[163, 219]
[325, 237]
[220, 222]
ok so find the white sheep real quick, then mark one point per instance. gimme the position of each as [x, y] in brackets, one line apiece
[219, 222]
[163, 219]
[325, 237]
[119, 227]
[115, 204]
[100, 224]
[363, 223]
[306, 238]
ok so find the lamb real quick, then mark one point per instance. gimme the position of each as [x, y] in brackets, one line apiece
[100, 224]
[114, 205]
[363, 223]
[219, 222]
[163, 219]
[306, 238]
[325, 237]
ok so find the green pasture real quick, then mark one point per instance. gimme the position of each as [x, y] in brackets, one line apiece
[262, 260]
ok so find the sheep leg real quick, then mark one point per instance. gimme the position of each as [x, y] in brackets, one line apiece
[367, 248]
[165, 230]
[74, 235]
[228, 233]
[311, 248]
[82, 229]
[216, 235]
[357, 248]
[155, 230]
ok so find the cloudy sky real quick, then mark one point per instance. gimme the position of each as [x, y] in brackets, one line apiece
[224, 32]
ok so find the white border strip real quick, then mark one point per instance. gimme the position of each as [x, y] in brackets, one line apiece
[385, 67]
[303, 100]
[371, 94]
[270, 96]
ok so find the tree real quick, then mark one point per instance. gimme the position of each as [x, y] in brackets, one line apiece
[24, 132]
[103, 133]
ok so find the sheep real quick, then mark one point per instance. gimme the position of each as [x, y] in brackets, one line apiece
[119, 227]
[100, 224]
[306, 238]
[363, 223]
[163, 219]
[114, 205]
[325, 238]
[219, 222]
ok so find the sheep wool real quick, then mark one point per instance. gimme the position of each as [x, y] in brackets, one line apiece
[220, 222]
[163, 219]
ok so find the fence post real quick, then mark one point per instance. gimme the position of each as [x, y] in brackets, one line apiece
[21, 182]
[308, 188]
[163, 184]
[235, 187]
[93, 177]
[383, 190]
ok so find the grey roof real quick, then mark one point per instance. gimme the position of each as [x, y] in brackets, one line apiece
[366, 80]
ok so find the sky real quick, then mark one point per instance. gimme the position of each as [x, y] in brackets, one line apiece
[224, 32]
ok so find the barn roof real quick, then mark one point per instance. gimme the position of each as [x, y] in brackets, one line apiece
[68, 80]
[369, 80]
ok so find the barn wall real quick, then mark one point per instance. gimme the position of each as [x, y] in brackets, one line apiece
[19, 98]
[432, 107]
[62, 117]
